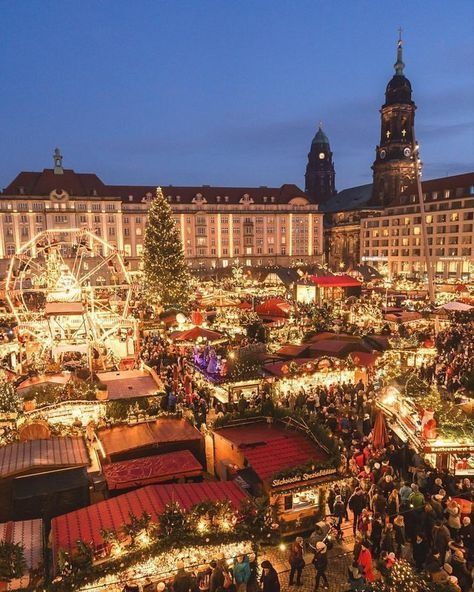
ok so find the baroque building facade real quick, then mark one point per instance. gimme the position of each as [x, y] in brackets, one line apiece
[258, 226]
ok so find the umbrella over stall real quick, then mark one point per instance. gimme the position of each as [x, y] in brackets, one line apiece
[198, 334]
[379, 432]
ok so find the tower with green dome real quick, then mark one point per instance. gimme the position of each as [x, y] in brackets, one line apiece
[320, 175]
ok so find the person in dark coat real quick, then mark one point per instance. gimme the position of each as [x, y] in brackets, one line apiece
[420, 551]
[217, 577]
[357, 502]
[269, 578]
[182, 580]
[441, 538]
[296, 561]
[320, 562]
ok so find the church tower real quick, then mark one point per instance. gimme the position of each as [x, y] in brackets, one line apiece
[393, 166]
[320, 175]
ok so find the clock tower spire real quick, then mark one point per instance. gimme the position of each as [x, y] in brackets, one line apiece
[393, 166]
[320, 174]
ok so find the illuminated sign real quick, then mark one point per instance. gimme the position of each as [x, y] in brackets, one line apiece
[303, 477]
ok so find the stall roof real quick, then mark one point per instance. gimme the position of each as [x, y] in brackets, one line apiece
[336, 281]
[455, 306]
[197, 334]
[43, 379]
[274, 308]
[28, 533]
[129, 383]
[22, 457]
[152, 469]
[403, 316]
[161, 431]
[64, 308]
[87, 523]
[337, 348]
[272, 448]
[292, 351]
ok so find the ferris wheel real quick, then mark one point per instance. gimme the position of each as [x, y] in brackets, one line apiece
[70, 290]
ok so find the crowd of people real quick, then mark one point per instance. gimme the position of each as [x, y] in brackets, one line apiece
[398, 509]
[241, 574]
[454, 364]
[398, 506]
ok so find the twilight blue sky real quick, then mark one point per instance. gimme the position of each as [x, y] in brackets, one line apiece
[227, 92]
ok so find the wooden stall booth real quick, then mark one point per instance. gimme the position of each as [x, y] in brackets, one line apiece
[281, 459]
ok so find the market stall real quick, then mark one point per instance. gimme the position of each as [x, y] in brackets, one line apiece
[28, 534]
[88, 524]
[23, 489]
[281, 460]
[419, 428]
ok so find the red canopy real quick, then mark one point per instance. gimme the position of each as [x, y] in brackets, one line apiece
[198, 334]
[380, 433]
[151, 469]
[274, 307]
[272, 448]
[86, 523]
[335, 281]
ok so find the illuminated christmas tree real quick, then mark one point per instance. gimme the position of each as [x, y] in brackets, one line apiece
[167, 277]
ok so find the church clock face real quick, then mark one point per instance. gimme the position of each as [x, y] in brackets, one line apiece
[407, 152]
[383, 154]
[321, 156]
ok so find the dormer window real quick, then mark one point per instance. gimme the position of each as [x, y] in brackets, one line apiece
[199, 199]
[265, 199]
[226, 198]
[218, 198]
[178, 198]
[148, 197]
[246, 199]
[272, 199]
[130, 198]
[169, 198]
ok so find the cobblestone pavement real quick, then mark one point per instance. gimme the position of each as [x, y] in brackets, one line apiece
[339, 559]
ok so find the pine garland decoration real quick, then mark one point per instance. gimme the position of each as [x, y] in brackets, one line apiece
[166, 274]
[10, 400]
[174, 522]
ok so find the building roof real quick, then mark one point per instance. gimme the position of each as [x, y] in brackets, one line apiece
[320, 137]
[129, 383]
[212, 195]
[90, 185]
[86, 523]
[161, 431]
[28, 533]
[24, 457]
[151, 469]
[353, 198]
[454, 183]
[46, 181]
[271, 448]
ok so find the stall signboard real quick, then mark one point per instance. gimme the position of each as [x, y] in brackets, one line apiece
[302, 478]
[453, 448]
